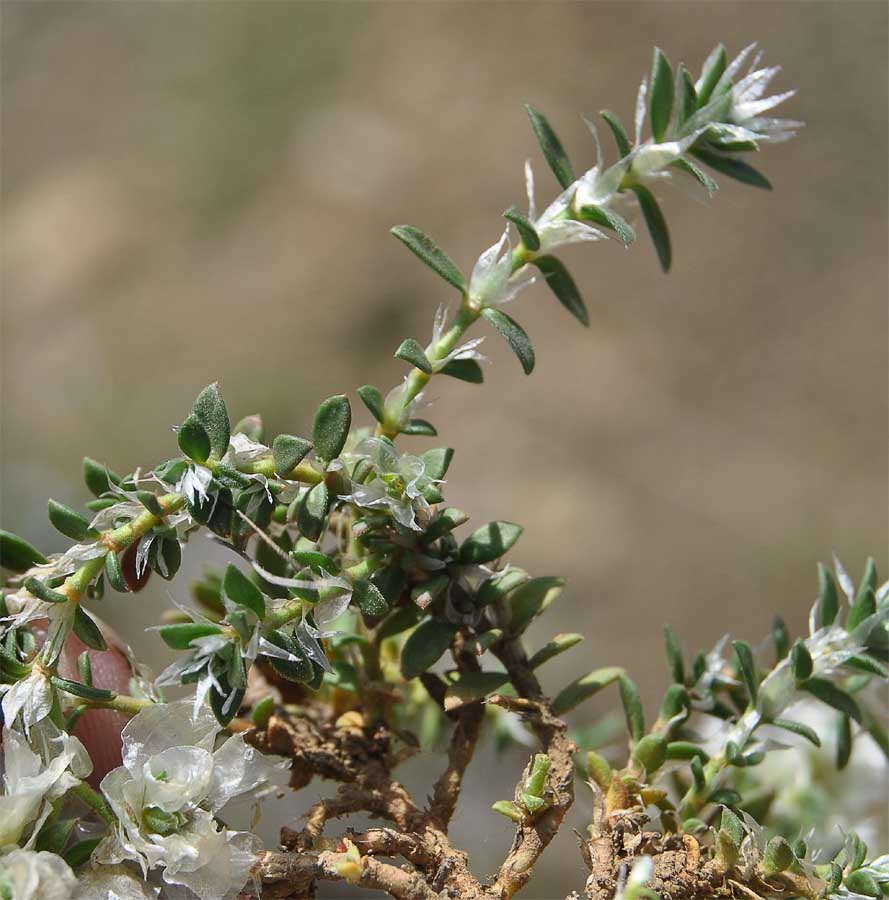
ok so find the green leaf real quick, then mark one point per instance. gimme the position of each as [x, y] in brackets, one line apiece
[632, 702]
[797, 728]
[747, 668]
[828, 599]
[800, 661]
[618, 131]
[410, 351]
[99, 478]
[312, 511]
[69, 523]
[82, 690]
[660, 97]
[40, 590]
[431, 254]
[781, 638]
[827, 692]
[734, 168]
[239, 589]
[251, 426]
[17, 555]
[686, 750]
[865, 605]
[674, 654]
[489, 542]
[499, 585]
[289, 451]
[551, 147]
[331, 428]
[180, 635]
[686, 165]
[373, 400]
[559, 644]
[437, 461]
[562, 285]
[425, 646]
[525, 227]
[420, 426]
[87, 630]
[509, 809]
[369, 599]
[53, 836]
[651, 752]
[169, 558]
[209, 409]
[531, 599]
[300, 668]
[445, 521]
[602, 215]
[711, 72]
[687, 98]
[863, 883]
[193, 439]
[114, 573]
[778, 856]
[424, 593]
[515, 337]
[464, 369]
[471, 687]
[80, 852]
[401, 619]
[657, 225]
[585, 687]
[85, 668]
[844, 741]
[314, 560]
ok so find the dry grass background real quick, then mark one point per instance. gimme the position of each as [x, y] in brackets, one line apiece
[196, 191]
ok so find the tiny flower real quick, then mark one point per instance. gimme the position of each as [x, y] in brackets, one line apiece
[33, 875]
[555, 227]
[194, 483]
[464, 351]
[168, 792]
[30, 699]
[35, 772]
[492, 282]
[397, 411]
[395, 484]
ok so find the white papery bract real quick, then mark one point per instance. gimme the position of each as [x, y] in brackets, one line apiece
[553, 226]
[167, 793]
[396, 483]
[30, 700]
[114, 883]
[492, 282]
[35, 772]
[32, 875]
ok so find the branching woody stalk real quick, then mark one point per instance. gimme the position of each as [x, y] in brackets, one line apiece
[364, 630]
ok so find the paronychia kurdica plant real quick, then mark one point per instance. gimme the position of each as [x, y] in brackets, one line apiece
[358, 613]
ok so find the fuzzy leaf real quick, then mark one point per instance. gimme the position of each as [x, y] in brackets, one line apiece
[515, 336]
[373, 400]
[87, 630]
[602, 215]
[632, 702]
[289, 451]
[733, 167]
[551, 147]
[827, 692]
[747, 668]
[465, 369]
[489, 542]
[657, 225]
[437, 461]
[312, 511]
[660, 97]
[431, 254]
[444, 522]
[410, 351]
[674, 654]
[114, 573]
[239, 589]
[99, 478]
[40, 590]
[81, 690]
[525, 227]
[585, 687]
[471, 687]
[618, 131]
[559, 644]
[563, 286]
[421, 427]
[531, 599]
[687, 98]
[193, 439]
[425, 646]
[209, 409]
[828, 599]
[369, 599]
[711, 72]
[69, 522]
[686, 165]
[797, 728]
[16, 554]
[331, 428]
[180, 635]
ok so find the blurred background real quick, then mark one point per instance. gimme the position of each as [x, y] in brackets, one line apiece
[197, 191]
